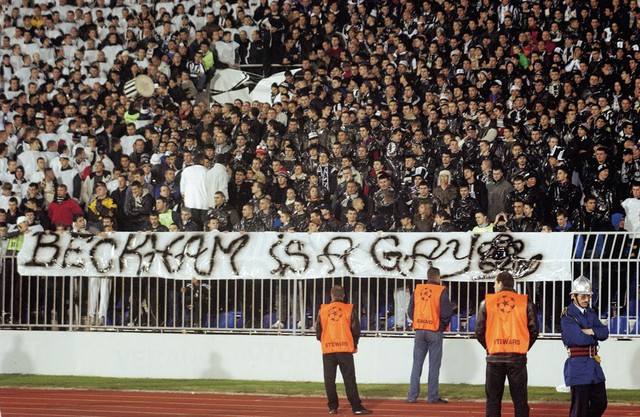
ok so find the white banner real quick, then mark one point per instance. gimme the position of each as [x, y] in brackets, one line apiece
[266, 255]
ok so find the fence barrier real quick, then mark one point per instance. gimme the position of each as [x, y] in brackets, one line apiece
[290, 306]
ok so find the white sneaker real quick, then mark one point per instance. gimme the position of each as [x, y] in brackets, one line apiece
[54, 321]
[277, 325]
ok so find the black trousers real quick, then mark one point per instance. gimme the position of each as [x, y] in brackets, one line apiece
[494, 387]
[344, 360]
[199, 216]
[588, 400]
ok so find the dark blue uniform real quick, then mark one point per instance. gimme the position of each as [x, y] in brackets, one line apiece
[583, 373]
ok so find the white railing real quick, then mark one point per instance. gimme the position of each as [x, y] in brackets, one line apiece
[290, 306]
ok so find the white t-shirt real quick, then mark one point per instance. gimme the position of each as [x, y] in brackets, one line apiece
[217, 180]
[631, 208]
[193, 186]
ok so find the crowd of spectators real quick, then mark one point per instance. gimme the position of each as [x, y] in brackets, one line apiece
[395, 115]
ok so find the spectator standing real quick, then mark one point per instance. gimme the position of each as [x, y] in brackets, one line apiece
[218, 178]
[69, 176]
[444, 191]
[63, 208]
[430, 309]
[186, 224]
[194, 190]
[631, 208]
[338, 330]
[100, 207]
[506, 327]
[498, 192]
[239, 189]
[463, 208]
[198, 75]
[562, 193]
[581, 332]
[137, 207]
[482, 222]
[249, 223]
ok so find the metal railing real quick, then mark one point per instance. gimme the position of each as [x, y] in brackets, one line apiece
[291, 306]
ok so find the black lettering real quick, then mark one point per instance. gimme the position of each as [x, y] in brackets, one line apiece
[502, 254]
[233, 248]
[92, 255]
[45, 241]
[129, 251]
[165, 254]
[387, 256]
[198, 239]
[294, 248]
[82, 241]
[344, 256]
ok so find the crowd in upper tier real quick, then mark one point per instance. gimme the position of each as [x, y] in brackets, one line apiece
[393, 115]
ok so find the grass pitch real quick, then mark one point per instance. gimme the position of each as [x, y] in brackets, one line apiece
[460, 392]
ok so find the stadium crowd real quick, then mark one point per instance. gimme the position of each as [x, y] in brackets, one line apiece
[393, 115]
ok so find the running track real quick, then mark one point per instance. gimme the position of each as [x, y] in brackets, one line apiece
[63, 403]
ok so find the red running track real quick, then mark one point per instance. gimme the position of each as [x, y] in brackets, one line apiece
[64, 403]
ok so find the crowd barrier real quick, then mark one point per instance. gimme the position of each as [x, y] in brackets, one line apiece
[290, 306]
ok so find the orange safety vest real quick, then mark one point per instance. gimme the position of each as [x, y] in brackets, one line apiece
[507, 327]
[335, 319]
[426, 312]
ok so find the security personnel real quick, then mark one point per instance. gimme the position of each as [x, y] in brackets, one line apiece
[338, 330]
[506, 327]
[581, 331]
[431, 311]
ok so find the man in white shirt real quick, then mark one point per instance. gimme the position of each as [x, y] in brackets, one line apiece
[29, 158]
[218, 178]
[631, 208]
[129, 139]
[194, 190]
[226, 49]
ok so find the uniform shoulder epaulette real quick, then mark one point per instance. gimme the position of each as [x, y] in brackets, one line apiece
[565, 312]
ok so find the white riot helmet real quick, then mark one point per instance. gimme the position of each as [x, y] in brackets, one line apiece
[581, 285]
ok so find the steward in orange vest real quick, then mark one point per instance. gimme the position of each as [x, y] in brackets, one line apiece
[426, 310]
[338, 330]
[506, 327]
[431, 311]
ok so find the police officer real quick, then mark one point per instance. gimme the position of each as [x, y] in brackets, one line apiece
[338, 330]
[431, 311]
[581, 331]
[506, 327]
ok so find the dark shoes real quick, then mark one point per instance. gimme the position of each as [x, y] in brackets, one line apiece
[439, 401]
[362, 411]
[333, 411]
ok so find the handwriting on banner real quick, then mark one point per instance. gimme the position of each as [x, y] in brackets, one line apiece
[139, 251]
[500, 254]
[289, 255]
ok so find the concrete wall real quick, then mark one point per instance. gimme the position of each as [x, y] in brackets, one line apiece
[289, 358]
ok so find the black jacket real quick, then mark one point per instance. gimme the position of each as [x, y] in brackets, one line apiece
[355, 326]
[481, 329]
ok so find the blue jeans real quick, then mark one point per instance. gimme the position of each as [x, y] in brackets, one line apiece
[430, 342]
